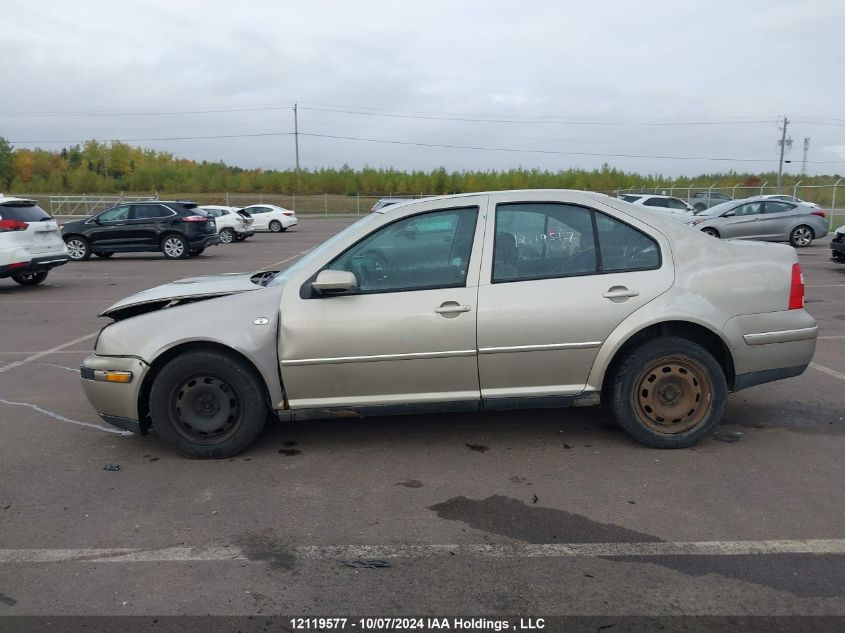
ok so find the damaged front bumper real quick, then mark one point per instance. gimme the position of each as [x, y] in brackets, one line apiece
[113, 387]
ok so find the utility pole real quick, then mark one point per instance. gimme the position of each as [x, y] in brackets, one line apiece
[296, 141]
[782, 144]
[804, 162]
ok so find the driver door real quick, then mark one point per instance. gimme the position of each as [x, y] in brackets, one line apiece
[406, 336]
[743, 221]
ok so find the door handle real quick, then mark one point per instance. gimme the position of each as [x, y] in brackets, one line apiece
[451, 309]
[620, 293]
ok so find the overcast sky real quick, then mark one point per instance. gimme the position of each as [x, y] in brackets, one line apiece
[563, 84]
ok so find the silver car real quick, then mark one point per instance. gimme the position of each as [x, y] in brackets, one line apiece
[490, 301]
[763, 218]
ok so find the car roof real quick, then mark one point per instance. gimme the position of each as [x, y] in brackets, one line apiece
[588, 194]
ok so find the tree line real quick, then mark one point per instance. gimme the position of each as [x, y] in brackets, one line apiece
[112, 167]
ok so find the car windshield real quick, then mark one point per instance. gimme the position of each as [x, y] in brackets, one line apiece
[716, 210]
[319, 252]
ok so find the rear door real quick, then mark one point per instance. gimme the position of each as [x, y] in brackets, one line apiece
[556, 280]
[146, 224]
[777, 220]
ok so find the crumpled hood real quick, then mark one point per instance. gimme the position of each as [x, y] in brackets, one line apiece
[190, 289]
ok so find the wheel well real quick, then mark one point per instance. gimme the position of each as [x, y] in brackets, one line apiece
[699, 334]
[192, 346]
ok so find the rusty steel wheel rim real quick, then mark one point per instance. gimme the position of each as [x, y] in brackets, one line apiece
[673, 394]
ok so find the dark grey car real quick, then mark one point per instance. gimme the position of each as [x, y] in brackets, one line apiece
[763, 219]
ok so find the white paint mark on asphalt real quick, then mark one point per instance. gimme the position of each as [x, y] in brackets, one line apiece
[285, 261]
[816, 366]
[516, 550]
[52, 350]
[828, 338]
[62, 418]
[827, 286]
[73, 351]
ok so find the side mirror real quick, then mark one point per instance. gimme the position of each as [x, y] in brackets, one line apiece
[334, 282]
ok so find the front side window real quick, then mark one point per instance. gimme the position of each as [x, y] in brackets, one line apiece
[542, 240]
[675, 203]
[752, 208]
[656, 202]
[115, 214]
[429, 250]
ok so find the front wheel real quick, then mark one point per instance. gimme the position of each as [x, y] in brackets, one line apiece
[227, 236]
[668, 393]
[174, 247]
[208, 404]
[276, 226]
[711, 232]
[30, 279]
[78, 248]
[801, 236]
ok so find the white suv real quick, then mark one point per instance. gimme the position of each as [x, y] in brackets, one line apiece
[232, 226]
[30, 241]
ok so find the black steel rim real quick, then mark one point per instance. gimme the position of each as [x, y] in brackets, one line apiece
[206, 409]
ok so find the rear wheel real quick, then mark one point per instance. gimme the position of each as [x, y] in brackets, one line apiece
[174, 247]
[711, 232]
[30, 279]
[104, 255]
[276, 226]
[801, 236]
[227, 236]
[668, 393]
[78, 248]
[208, 404]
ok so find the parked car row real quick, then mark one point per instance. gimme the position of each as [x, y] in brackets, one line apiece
[177, 229]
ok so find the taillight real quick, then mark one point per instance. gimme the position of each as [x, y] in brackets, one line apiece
[195, 218]
[819, 213]
[796, 290]
[7, 226]
[287, 212]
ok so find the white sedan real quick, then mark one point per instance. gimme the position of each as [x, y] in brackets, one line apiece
[230, 224]
[271, 217]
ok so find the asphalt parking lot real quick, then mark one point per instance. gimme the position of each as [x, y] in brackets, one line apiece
[534, 513]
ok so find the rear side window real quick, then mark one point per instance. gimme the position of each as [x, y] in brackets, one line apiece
[23, 212]
[149, 211]
[778, 206]
[550, 240]
[674, 203]
[623, 247]
[630, 198]
[656, 202]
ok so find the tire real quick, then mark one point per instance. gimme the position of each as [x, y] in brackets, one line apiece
[174, 246]
[658, 380]
[104, 255]
[240, 238]
[194, 252]
[801, 236]
[78, 248]
[30, 279]
[227, 236]
[711, 232]
[276, 226]
[228, 404]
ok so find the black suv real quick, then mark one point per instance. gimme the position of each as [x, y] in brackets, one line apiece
[177, 229]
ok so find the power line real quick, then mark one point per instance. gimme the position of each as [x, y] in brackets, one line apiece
[434, 145]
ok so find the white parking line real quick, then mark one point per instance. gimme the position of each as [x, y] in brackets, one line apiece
[816, 366]
[62, 418]
[516, 550]
[52, 350]
[829, 338]
[285, 261]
